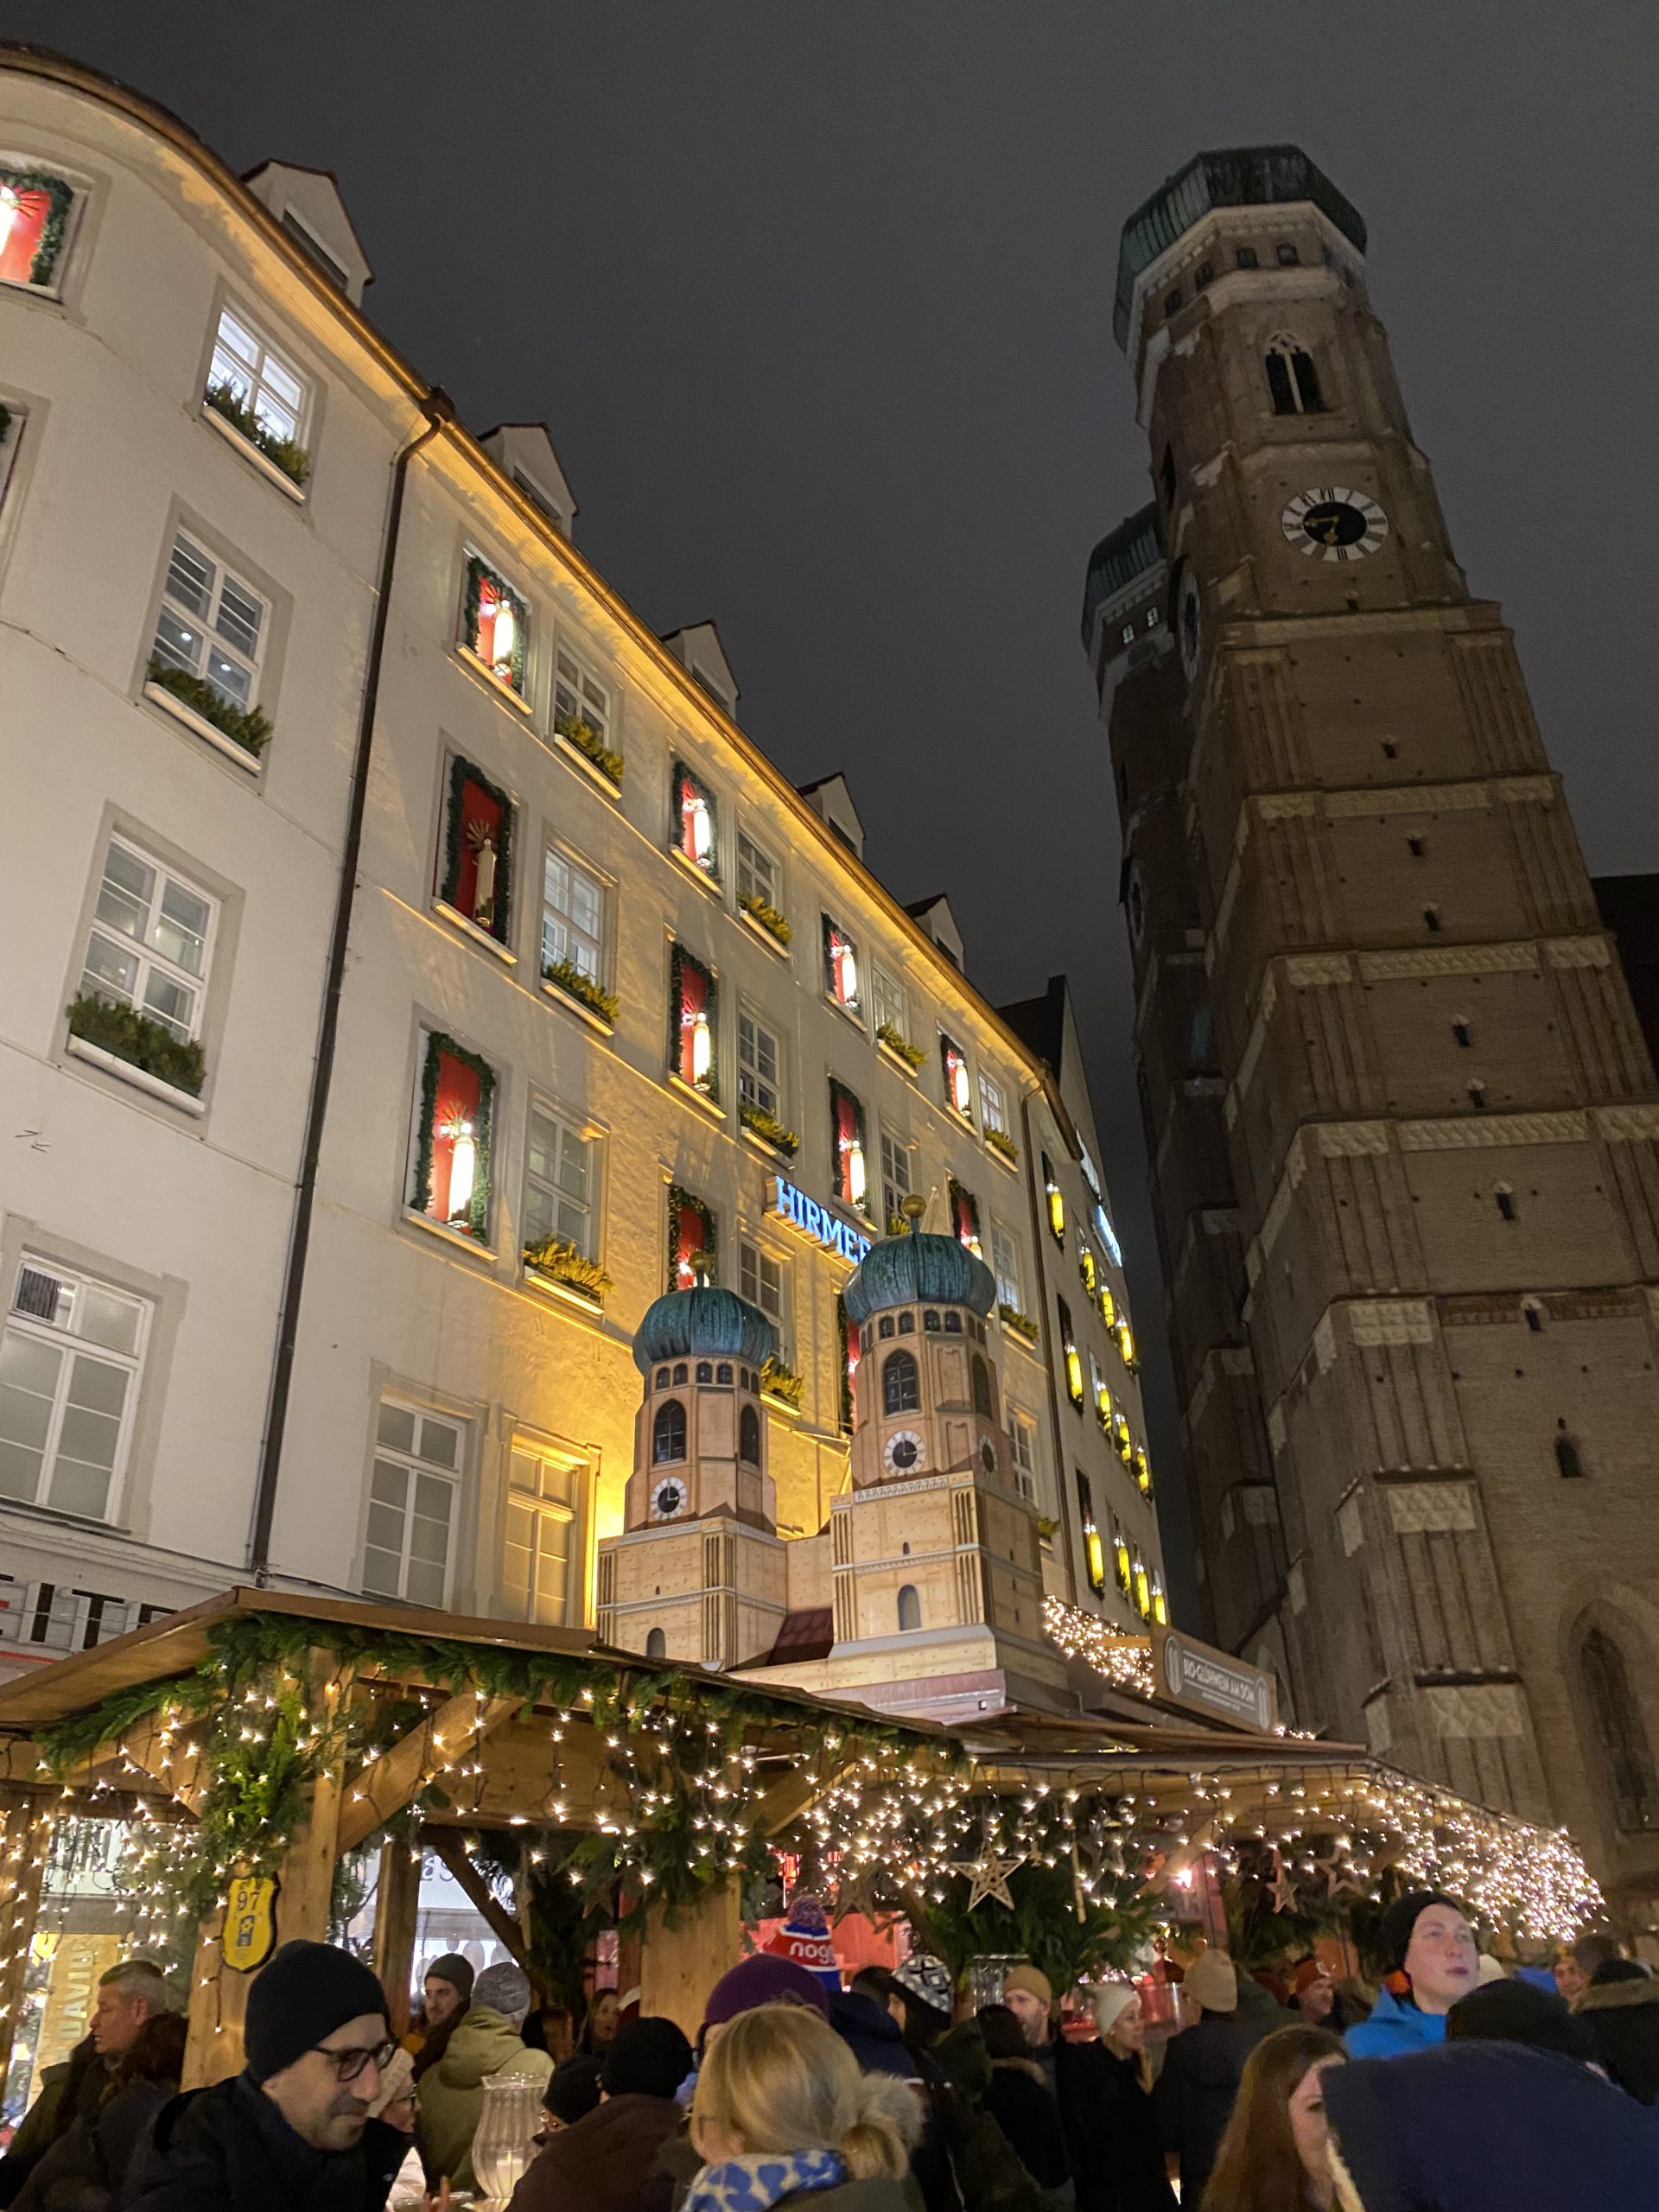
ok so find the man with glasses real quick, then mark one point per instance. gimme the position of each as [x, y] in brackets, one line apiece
[292, 2133]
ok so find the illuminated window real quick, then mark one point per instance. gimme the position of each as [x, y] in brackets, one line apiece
[34, 222]
[260, 392]
[958, 1093]
[1125, 1336]
[1055, 1202]
[412, 1494]
[1160, 1603]
[1023, 1432]
[901, 1390]
[475, 865]
[582, 705]
[1121, 1565]
[849, 1157]
[1142, 1591]
[450, 1182]
[543, 1551]
[1086, 1267]
[495, 626]
[668, 1432]
[1069, 1352]
[1004, 1266]
[757, 1061]
[993, 1106]
[1102, 1396]
[964, 1217]
[1094, 1554]
[1142, 1470]
[840, 977]
[572, 927]
[895, 1181]
[691, 1243]
[70, 1357]
[693, 1013]
[692, 824]
[559, 1180]
[150, 948]
[210, 633]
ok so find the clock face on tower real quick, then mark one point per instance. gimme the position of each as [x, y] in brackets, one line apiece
[904, 1452]
[1186, 621]
[1333, 524]
[668, 1500]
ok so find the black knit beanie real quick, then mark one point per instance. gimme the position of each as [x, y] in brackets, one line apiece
[1516, 2011]
[1394, 1937]
[455, 1970]
[306, 1993]
[649, 2058]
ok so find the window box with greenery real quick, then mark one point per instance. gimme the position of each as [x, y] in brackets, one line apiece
[285, 454]
[494, 626]
[559, 1261]
[899, 1045]
[779, 1380]
[140, 1040]
[450, 1182]
[579, 734]
[476, 882]
[765, 917]
[1003, 1146]
[1021, 1324]
[769, 1129]
[566, 980]
[245, 727]
[36, 207]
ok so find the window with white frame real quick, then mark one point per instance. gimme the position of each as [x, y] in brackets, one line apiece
[759, 1082]
[412, 1495]
[887, 998]
[764, 1282]
[758, 880]
[71, 1356]
[559, 1182]
[264, 384]
[151, 941]
[993, 1106]
[896, 1178]
[212, 624]
[543, 1546]
[579, 697]
[1004, 1266]
[1022, 1434]
[573, 917]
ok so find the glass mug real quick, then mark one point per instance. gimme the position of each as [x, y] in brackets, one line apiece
[502, 2144]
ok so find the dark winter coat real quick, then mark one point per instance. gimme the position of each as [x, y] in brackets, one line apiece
[872, 2034]
[1023, 2106]
[71, 2090]
[83, 2169]
[1622, 2020]
[609, 2161]
[228, 2149]
[1481, 2127]
[1109, 2137]
[1194, 2097]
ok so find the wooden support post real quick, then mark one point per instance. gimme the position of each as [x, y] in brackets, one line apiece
[679, 1966]
[385, 1785]
[503, 1926]
[25, 1821]
[396, 1907]
[218, 2004]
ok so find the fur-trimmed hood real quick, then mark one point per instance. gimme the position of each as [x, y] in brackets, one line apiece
[1609, 1996]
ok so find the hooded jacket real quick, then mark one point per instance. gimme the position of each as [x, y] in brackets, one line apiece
[1622, 2020]
[229, 2146]
[451, 2095]
[1194, 2100]
[1395, 2026]
[872, 2034]
[1491, 2127]
[610, 2160]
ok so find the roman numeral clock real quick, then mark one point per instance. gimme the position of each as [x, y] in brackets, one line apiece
[1333, 524]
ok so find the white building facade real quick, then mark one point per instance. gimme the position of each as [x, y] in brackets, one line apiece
[416, 970]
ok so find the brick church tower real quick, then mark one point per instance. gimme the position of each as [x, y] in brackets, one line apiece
[1402, 1122]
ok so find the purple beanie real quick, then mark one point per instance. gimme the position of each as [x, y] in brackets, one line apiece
[764, 1979]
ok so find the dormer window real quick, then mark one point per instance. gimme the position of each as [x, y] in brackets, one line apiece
[958, 1091]
[495, 626]
[842, 979]
[693, 824]
[539, 499]
[303, 236]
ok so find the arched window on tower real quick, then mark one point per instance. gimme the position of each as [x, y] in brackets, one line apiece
[901, 1389]
[748, 1437]
[655, 1644]
[1293, 380]
[910, 1608]
[668, 1432]
[982, 1390]
[1620, 1732]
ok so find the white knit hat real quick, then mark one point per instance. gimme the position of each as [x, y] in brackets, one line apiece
[1112, 2000]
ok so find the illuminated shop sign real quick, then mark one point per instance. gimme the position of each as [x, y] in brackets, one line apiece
[817, 1222]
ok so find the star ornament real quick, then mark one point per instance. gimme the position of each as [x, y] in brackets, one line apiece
[988, 1877]
[1283, 1885]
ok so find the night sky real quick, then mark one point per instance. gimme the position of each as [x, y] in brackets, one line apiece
[816, 302]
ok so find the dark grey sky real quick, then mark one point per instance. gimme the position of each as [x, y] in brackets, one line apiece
[816, 302]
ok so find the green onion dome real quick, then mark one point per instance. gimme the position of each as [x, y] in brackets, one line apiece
[702, 1323]
[918, 1271]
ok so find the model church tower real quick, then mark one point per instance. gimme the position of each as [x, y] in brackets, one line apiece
[923, 1593]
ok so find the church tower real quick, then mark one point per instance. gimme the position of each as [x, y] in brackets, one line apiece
[1403, 1123]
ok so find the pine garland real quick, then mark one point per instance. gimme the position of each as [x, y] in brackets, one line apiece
[61, 197]
[679, 960]
[838, 1092]
[436, 1044]
[680, 1198]
[463, 772]
[477, 570]
[139, 1039]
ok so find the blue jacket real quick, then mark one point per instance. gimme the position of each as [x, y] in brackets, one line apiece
[1395, 2026]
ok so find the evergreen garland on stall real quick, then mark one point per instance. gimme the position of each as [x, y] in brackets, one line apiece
[463, 772]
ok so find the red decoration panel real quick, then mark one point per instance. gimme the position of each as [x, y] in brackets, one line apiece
[456, 1112]
[22, 221]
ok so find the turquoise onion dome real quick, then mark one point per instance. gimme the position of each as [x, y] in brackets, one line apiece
[702, 1323]
[917, 1270]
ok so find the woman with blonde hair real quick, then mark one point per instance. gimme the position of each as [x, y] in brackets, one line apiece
[1275, 2155]
[781, 2112]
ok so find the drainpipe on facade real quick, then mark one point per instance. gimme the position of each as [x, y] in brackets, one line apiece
[1038, 1230]
[438, 409]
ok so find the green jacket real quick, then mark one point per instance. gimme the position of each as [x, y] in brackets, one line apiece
[451, 2094]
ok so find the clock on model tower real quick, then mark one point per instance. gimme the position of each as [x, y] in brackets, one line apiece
[669, 1499]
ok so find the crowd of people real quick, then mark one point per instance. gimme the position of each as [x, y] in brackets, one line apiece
[1452, 2086]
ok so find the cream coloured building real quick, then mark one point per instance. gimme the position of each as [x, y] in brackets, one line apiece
[448, 970]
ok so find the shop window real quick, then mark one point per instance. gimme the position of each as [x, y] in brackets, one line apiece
[494, 625]
[692, 1244]
[848, 1164]
[840, 977]
[693, 827]
[451, 1179]
[412, 1494]
[693, 1013]
[475, 867]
